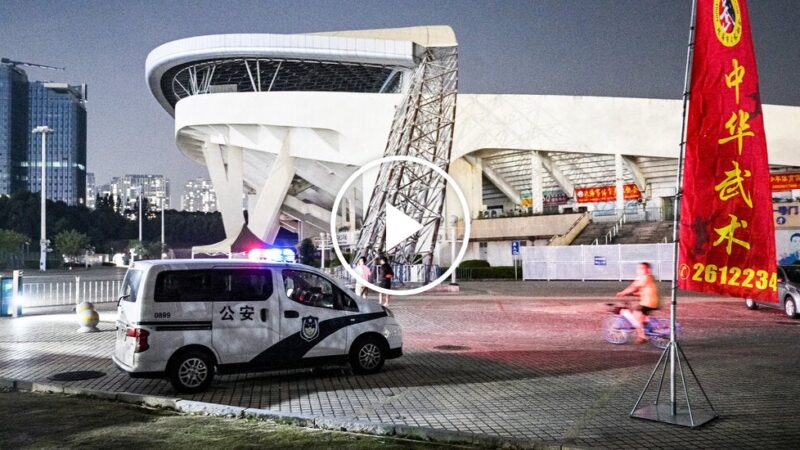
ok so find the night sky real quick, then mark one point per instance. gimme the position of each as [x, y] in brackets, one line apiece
[634, 48]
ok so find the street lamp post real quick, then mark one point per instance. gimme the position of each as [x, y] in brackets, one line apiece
[453, 222]
[140, 213]
[322, 250]
[43, 130]
[163, 201]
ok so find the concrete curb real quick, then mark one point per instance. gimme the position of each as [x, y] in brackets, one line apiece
[301, 420]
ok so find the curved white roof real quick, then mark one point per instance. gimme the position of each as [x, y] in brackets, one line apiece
[320, 47]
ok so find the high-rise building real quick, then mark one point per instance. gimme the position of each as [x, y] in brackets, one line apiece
[26, 105]
[91, 190]
[62, 108]
[126, 190]
[198, 195]
[14, 129]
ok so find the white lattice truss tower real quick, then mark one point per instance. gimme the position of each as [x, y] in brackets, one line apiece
[422, 128]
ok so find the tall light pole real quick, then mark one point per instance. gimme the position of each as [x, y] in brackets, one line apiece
[163, 202]
[322, 250]
[140, 213]
[43, 130]
[453, 222]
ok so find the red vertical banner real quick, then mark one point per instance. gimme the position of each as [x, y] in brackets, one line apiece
[727, 238]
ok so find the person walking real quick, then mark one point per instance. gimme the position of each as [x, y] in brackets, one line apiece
[362, 269]
[385, 275]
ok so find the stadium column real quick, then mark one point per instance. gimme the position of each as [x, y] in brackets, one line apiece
[228, 184]
[619, 183]
[351, 206]
[468, 173]
[265, 216]
[537, 192]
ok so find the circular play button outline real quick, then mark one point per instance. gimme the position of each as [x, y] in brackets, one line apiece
[450, 182]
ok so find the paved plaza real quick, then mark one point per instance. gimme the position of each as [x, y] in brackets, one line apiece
[510, 359]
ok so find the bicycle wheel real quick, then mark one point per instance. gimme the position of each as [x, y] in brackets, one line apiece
[659, 327]
[616, 330]
[658, 332]
[659, 341]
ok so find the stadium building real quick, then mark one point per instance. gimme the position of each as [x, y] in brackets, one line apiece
[288, 118]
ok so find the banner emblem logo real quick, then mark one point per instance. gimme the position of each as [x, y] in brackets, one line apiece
[310, 329]
[684, 271]
[727, 21]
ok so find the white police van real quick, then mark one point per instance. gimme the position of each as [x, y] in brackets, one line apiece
[186, 319]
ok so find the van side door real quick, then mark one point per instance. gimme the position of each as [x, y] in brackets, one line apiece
[246, 320]
[313, 320]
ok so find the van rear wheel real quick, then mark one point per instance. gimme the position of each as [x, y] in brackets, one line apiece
[191, 371]
[367, 356]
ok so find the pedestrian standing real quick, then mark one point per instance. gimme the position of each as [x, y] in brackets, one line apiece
[385, 281]
[362, 269]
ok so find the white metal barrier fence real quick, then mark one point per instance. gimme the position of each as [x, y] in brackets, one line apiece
[403, 273]
[596, 262]
[70, 292]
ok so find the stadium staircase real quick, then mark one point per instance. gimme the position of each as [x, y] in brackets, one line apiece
[644, 233]
[628, 233]
[593, 231]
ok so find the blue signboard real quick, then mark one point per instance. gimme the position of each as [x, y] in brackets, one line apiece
[514, 248]
[599, 260]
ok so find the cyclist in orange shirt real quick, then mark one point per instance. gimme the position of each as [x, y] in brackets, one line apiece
[645, 287]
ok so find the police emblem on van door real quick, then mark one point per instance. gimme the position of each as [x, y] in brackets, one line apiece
[310, 329]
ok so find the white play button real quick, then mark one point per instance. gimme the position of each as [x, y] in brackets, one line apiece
[398, 226]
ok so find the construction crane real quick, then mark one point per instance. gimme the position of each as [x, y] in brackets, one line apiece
[22, 63]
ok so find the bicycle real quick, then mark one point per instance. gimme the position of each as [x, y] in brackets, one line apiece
[618, 329]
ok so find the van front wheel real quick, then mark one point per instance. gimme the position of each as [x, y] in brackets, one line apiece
[367, 356]
[191, 371]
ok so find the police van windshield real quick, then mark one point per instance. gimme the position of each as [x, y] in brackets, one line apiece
[130, 285]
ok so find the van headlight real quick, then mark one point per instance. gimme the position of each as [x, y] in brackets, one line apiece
[388, 311]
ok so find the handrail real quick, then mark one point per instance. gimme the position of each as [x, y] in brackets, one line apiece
[574, 230]
[614, 231]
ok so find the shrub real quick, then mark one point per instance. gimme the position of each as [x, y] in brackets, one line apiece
[492, 273]
[471, 263]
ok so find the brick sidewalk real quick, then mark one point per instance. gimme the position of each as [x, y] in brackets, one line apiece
[532, 368]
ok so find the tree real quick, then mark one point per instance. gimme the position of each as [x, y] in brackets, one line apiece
[106, 226]
[307, 251]
[138, 248]
[154, 249]
[71, 243]
[11, 245]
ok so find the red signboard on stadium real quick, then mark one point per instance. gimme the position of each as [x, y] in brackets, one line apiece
[727, 238]
[785, 181]
[606, 193]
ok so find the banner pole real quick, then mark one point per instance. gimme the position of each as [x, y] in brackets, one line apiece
[676, 212]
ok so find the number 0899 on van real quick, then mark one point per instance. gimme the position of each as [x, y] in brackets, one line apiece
[189, 319]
